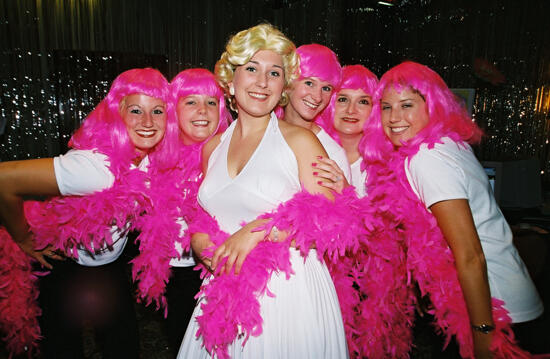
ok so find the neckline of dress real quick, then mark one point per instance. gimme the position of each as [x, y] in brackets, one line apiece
[251, 158]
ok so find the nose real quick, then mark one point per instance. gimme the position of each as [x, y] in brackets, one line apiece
[147, 120]
[202, 107]
[351, 108]
[316, 93]
[261, 79]
[394, 116]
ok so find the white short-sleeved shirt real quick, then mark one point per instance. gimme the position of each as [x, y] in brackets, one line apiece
[358, 178]
[335, 152]
[450, 171]
[186, 259]
[83, 172]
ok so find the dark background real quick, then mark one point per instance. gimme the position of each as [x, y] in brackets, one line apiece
[58, 57]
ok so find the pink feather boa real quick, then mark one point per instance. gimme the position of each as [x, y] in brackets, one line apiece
[231, 307]
[66, 223]
[18, 293]
[374, 296]
[173, 194]
[430, 261]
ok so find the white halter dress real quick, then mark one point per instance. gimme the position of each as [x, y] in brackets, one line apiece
[303, 320]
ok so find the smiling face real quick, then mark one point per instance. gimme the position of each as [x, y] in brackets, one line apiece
[258, 84]
[351, 110]
[145, 120]
[309, 96]
[198, 117]
[404, 114]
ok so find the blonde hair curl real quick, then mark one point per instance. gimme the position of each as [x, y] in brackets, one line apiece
[241, 48]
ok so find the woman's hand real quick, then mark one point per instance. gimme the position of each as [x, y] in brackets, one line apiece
[237, 247]
[27, 246]
[330, 175]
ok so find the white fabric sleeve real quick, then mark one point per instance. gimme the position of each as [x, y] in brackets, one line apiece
[435, 178]
[82, 172]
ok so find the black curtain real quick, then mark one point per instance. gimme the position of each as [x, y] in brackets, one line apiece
[58, 57]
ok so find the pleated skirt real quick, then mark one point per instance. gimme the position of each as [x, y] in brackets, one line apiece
[303, 320]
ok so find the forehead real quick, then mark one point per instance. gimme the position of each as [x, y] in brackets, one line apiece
[400, 94]
[198, 96]
[141, 100]
[267, 57]
[353, 93]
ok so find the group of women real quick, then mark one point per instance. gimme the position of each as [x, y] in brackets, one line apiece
[317, 218]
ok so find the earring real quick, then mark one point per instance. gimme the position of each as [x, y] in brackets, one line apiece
[231, 90]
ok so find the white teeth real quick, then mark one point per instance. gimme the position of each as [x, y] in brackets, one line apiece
[311, 105]
[398, 129]
[257, 95]
[145, 133]
[347, 119]
[200, 123]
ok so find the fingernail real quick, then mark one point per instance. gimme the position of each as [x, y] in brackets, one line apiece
[319, 157]
[314, 164]
[315, 173]
[319, 182]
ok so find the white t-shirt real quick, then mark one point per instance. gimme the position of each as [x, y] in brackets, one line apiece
[186, 259]
[335, 152]
[449, 171]
[358, 178]
[83, 172]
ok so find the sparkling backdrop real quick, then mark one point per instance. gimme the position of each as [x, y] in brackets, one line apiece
[500, 48]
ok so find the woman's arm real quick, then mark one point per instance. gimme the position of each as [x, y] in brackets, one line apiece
[455, 220]
[201, 241]
[306, 148]
[19, 179]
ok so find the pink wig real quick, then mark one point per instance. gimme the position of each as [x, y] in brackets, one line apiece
[448, 118]
[354, 77]
[200, 82]
[319, 61]
[105, 131]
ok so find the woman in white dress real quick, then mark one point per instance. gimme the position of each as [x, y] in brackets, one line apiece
[258, 163]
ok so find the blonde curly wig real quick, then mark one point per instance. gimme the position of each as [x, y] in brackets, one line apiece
[241, 47]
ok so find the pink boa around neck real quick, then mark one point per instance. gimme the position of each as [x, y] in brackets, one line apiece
[66, 223]
[173, 195]
[231, 307]
[430, 261]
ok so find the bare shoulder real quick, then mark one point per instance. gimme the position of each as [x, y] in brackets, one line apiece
[208, 148]
[307, 149]
[300, 139]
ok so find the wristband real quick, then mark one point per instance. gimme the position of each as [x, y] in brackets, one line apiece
[483, 328]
